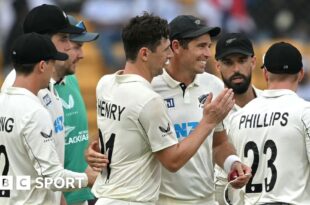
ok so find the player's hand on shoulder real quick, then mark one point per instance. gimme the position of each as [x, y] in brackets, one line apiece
[215, 111]
[239, 175]
[94, 158]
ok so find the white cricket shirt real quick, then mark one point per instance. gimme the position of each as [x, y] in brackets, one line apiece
[220, 174]
[134, 123]
[195, 179]
[271, 135]
[51, 101]
[27, 144]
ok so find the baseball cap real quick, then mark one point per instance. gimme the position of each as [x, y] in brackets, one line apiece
[33, 47]
[84, 36]
[283, 58]
[231, 43]
[187, 26]
[48, 19]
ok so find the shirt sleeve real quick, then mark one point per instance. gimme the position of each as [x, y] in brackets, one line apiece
[156, 123]
[39, 143]
[306, 123]
[219, 127]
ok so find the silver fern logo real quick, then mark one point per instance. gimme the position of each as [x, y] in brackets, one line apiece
[202, 99]
[229, 41]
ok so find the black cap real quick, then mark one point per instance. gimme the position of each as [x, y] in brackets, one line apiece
[231, 43]
[48, 19]
[33, 47]
[283, 58]
[84, 36]
[187, 26]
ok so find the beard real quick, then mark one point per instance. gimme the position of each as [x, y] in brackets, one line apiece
[238, 88]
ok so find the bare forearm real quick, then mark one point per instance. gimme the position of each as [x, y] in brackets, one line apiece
[222, 151]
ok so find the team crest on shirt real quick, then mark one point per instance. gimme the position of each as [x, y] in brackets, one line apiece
[202, 99]
[47, 100]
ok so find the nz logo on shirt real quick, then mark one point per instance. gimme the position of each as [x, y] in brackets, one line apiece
[59, 124]
[202, 99]
[184, 129]
[169, 102]
[68, 105]
[165, 130]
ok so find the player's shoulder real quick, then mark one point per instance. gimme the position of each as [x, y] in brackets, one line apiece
[303, 105]
[250, 107]
[9, 80]
[71, 80]
[48, 98]
[210, 80]
[30, 107]
[105, 81]
[158, 83]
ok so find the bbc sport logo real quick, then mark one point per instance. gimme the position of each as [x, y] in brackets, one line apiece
[25, 183]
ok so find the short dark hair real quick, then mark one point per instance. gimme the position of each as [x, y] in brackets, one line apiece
[184, 42]
[24, 68]
[143, 31]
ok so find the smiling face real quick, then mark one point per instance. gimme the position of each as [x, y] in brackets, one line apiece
[236, 71]
[194, 56]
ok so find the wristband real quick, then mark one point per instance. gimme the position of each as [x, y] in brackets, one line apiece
[229, 161]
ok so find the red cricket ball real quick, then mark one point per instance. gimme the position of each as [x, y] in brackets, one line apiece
[232, 175]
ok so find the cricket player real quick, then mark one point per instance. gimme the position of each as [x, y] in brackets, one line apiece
[271, 133]
[184, 86]
[235, 62]
[52, 21]
[135, 130]
[27, 142]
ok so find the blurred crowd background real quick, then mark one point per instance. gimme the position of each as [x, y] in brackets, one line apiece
[263, 21]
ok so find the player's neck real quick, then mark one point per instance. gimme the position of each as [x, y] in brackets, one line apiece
[283, 85]
[138, 69]
[183, 76]
[27, 82]
[242, 99]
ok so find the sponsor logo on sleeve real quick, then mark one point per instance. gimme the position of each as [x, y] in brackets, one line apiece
[165, 130]
[46, 135]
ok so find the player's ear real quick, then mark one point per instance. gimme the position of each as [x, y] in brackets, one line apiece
[253, 63]
[301, 75]
[143, 53]
[218, 66]
[175, 46]
[266, 76]
[40, 66]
